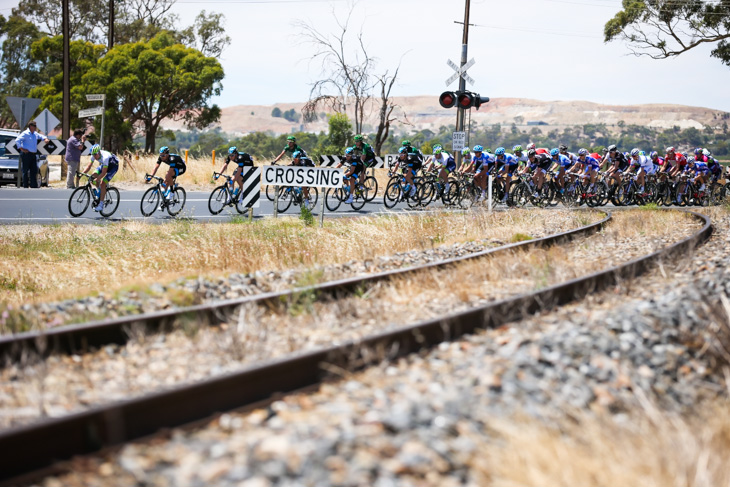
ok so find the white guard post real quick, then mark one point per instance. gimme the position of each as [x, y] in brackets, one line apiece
[489, 194]
[313, 177]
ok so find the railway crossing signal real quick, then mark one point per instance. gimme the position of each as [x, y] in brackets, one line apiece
[462, 99]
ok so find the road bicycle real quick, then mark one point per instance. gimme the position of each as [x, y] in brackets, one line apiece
[154, 198]
[432, 188]
[83, 195]
[223, 196]
[398, 189]
[334, 197]
[289, 195]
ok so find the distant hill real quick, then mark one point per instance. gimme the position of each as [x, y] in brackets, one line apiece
[424, 112]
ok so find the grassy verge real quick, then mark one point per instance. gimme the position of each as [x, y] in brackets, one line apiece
[41, 263]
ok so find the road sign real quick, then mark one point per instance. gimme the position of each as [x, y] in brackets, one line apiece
[54, 147]
[251, 187]
[460, 72]
[458, 141]
[319, 177]
[23, 108]
[46, 121]
[100, 97]
[91, 112]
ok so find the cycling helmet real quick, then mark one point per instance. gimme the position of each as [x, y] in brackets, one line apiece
[634, 152]
[296, 155]
[530, 146]
[96, 148]
[654, 154]
[563, 147]
[163, 150]
[517, 148]
[403, 150]
[531, 153]
[478, 148]
[437, 149]
[582, 152]
[292, 138]
[612, 148]
[698, 151]
[465, 151]
[348, 151]
[359, 137]
[706, 152]
[499, 151]
[554, 152]
[406, 143]
[604, 150]
[232, 150]
[670, 149]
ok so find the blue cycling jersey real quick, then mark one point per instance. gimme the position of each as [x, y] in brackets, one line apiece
[590, 161]
[563, 161]
[508, 160]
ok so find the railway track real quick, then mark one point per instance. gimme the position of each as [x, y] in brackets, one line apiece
[39, 445]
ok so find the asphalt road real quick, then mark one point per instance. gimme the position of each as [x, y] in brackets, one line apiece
[50, 206]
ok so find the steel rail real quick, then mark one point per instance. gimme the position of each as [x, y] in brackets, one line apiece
[80, 338]
[38, 446]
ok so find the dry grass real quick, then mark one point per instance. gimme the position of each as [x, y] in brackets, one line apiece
[649, 449]
[40, 263]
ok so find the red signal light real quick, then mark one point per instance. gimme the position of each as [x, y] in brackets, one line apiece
[447, 99]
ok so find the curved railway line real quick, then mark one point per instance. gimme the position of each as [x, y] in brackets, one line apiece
[39, 445]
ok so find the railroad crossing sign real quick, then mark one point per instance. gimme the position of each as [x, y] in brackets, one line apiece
[460, 72]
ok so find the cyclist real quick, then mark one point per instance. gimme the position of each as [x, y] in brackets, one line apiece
[674, 162]
[482, 164]
[290, 148]
[411, 164]
[538, 164]
[561, 164]
[700, 170]
[364, 151]
[617, 164]
[713, 165]
[590, 166]
[353, 173]
[564, 151]
[108, 167]
[177, 168]
[412, 150]
[444, 162]
[301, 159]
[645, 165]
[506, 164]
[466, 163]
[657, 161]
[520, 155]
[242, 160]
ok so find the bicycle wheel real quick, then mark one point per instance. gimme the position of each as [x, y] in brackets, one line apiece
[150, 201]
[79, 201]
[286, 196]
[392, 194]
[177, 202]
[359, 198]
[333, 198]
[413, 201]
[425, 193]
[111, 202]
[372, 185]
[270, 193]
[520, 195]
[450, 196]
[217, 199]
[313, 197]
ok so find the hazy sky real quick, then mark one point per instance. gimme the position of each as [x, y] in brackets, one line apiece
[541, 49]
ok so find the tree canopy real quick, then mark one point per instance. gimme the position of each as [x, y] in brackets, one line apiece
[667, 28]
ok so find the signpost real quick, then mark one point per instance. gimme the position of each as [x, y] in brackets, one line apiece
[312, 177]
[96, 97]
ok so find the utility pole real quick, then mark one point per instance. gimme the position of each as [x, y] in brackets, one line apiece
[66, 115]
[460, 111]
[110, 41]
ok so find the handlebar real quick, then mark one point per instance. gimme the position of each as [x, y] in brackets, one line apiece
[148, 177]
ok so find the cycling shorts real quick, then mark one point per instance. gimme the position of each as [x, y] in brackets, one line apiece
[590, 168]
[178, 169]
[111, 171]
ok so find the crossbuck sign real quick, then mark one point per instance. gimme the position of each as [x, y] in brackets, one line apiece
[319, 177]
[460, 72]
